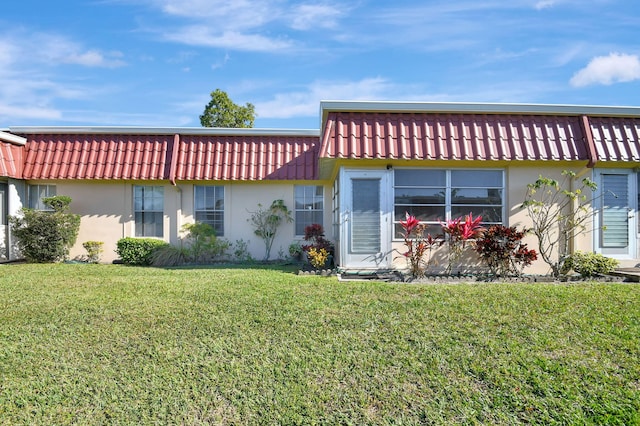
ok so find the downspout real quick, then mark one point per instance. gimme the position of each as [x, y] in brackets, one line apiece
[173, 168]
[175, 148]
[592, 155]
[590, 144]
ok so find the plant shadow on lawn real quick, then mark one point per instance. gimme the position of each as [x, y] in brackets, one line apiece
[282, 266]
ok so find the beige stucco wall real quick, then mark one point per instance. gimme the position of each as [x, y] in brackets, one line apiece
[106, 210]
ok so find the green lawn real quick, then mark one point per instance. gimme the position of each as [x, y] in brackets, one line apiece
[96, 344]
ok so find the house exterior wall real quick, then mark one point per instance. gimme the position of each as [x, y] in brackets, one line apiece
[106, 210]
[517, 176]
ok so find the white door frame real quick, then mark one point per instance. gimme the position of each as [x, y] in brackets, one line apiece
[376, 259]
[629, 252]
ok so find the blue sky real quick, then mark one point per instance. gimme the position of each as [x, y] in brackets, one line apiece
[154, 62]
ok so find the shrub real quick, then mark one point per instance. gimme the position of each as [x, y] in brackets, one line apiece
[94, 250]
[266, 222]
[318, 257]
[417, 245]
[558, 214]
[589, 264]
[458, 232]
[241, 251]
[314, 234]
[295, 250]
[203, 244]
[502, 250]
[199, 245]
[169, 255]
[46, 236]
[138, 251]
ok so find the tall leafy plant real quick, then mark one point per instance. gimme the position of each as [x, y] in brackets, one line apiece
[266, 221]
[418, 245]
[558, 213]
[459, 231]
[502, 250]
[46, 236]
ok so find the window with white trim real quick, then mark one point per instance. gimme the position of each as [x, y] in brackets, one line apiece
[209, 206]
[309, 206]
[148, 210]
[37, 193]
[436, 195]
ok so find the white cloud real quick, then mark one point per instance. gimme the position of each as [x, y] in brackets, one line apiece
[94, 58]
[544, 4]
[52, 49]
[249, 25]
[237, 14]
[23, 112]
[307, 16]
[615, 68]
[221, 63]
[201, 35]
[306, 103]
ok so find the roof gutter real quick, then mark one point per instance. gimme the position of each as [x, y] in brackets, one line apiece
[11, 138]
[202, 131]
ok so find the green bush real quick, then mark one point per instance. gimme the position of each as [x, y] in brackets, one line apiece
[589, 264]
[138, 251]
[200, 245]
[170, 256]
[204, 246]
[94, 250]
[46, 236]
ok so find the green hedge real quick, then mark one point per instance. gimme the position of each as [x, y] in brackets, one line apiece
[138, 251]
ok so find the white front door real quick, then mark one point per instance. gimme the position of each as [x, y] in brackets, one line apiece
[616, 228]
[366, 219]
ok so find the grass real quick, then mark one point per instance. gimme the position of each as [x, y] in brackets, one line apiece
[102, 344]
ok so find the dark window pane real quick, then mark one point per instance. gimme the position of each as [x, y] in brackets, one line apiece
[434, 229]
[306, 218]
[417, 177]
[476, 196]
[488, 213]
[476, 178]
[422, 213]
[419, 195]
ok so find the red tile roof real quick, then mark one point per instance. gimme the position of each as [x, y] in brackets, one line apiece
[247, 157]
[96, 156]
[170, 157]
[11, 163]
[448, 136]
[616, 138]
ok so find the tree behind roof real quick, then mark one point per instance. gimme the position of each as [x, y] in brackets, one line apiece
[221, 111]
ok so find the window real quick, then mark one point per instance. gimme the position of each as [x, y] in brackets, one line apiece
[37, 193]
[148, 207]
[434, 196]
[209, 206]
[309, 206]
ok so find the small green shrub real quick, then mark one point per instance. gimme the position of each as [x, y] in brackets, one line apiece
[200, 245]
[241, 251]
[170, 256]
[204, 246]
[94, 250]
[589, 264]
[138, 251]
[46, 236]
